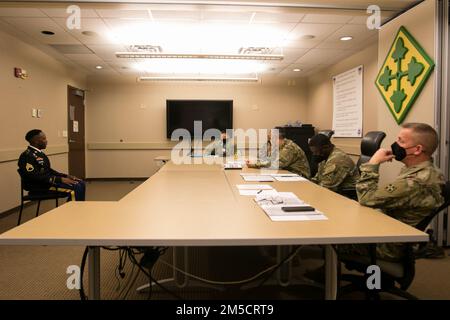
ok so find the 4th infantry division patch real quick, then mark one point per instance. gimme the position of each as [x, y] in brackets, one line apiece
[403, 74]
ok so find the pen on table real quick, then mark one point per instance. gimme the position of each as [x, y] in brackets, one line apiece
[259, 191]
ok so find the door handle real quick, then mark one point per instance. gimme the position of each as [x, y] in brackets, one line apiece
[72, 140]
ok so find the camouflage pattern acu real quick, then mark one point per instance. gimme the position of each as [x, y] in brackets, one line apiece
[337, 172]
[409, 198]
[291, 158]
[217, 146]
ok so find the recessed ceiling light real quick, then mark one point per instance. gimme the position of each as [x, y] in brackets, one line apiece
[47, 33]
[346, 38]
[89, 33]
[296, 70]
[308, 37]
[98, 67]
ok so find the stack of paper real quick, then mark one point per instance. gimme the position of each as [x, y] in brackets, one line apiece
[254, 189]
[233, 165]
[273, 202]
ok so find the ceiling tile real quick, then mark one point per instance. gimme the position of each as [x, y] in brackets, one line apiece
[83, 57]
[107, 52]
[34, 26]
[320, 31]
[322, 56]
[21, 12]
[62, 13]
[171, 15]
[116, 13]
[267, 17]
[292, 54]
[358, 32]
[102, 32]
[326, 18]
[226, 16]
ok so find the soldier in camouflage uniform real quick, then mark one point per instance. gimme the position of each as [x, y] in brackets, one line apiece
[290, 157]
[336, 170]
[412, 196]
[223, 147]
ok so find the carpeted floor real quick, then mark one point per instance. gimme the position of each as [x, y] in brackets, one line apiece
[30, 272]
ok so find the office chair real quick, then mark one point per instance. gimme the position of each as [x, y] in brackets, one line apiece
[37, 195]
[328, 133]
[396, 277]
[370, 143]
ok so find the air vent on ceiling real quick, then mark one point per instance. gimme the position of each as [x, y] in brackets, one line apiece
[145, 48]
[255, 50]
[71, 48]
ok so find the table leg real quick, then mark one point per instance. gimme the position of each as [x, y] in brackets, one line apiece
[330, 273]
[94, 273]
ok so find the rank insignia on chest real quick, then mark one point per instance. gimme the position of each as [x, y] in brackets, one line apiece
[390, 188]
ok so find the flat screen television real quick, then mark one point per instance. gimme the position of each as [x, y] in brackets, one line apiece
[216, 114]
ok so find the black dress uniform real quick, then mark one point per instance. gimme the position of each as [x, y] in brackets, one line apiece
[38, 176]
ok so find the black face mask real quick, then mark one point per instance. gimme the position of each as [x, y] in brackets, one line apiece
[319, 158]
[398, 151]
[224, 141]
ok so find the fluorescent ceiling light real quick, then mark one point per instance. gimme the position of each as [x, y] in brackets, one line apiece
[199, 36]
[346, 38]
[153, 55]
[297, 70]
[98, 67]
[198, 78]
[200, 66]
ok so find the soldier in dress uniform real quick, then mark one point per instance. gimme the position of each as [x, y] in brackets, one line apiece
[37, 174]
[336, 170]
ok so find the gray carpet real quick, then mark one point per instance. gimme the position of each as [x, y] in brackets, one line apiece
[30, 272]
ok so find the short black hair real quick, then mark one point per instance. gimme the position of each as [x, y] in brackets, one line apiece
[319, 140]
[31, 134]
[281, 133]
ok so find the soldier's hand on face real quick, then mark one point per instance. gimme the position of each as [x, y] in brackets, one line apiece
[382, 155]
[68, 181]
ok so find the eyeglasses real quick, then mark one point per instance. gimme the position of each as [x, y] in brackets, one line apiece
[268, 200]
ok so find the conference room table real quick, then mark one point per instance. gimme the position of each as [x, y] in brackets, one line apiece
[200, 205]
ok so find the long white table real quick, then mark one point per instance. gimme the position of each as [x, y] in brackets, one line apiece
[199, 205]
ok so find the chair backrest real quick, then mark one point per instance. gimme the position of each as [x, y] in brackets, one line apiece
[370, 143]
[328, 133]
[21, 185]
[422, 225]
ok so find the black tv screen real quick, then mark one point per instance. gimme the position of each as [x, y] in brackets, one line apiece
[217, 114]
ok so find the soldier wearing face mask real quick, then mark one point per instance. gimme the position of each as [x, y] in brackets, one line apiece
[413, 195]
[336, 170]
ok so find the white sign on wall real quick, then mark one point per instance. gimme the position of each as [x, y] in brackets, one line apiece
[347, 103]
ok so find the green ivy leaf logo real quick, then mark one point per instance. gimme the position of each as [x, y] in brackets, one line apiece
[397, 98]
[400, 50]
[414, 70]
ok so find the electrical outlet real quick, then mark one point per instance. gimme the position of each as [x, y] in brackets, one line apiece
[39, 113]
[34, 113]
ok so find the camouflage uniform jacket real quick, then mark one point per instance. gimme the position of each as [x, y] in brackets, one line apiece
[409, 198]
[291, 158]
[337, 172]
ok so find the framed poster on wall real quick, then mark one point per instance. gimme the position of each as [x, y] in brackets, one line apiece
[347, 103]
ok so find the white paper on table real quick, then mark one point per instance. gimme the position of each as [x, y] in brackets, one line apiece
[273, 202]
[247, 192]
[258, 178]
[284, 175]
[253, 187]
[290, 178]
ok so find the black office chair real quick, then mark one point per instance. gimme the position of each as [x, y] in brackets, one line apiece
[396, 277]
[38, 195]
[328, 133]
[370, 143]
